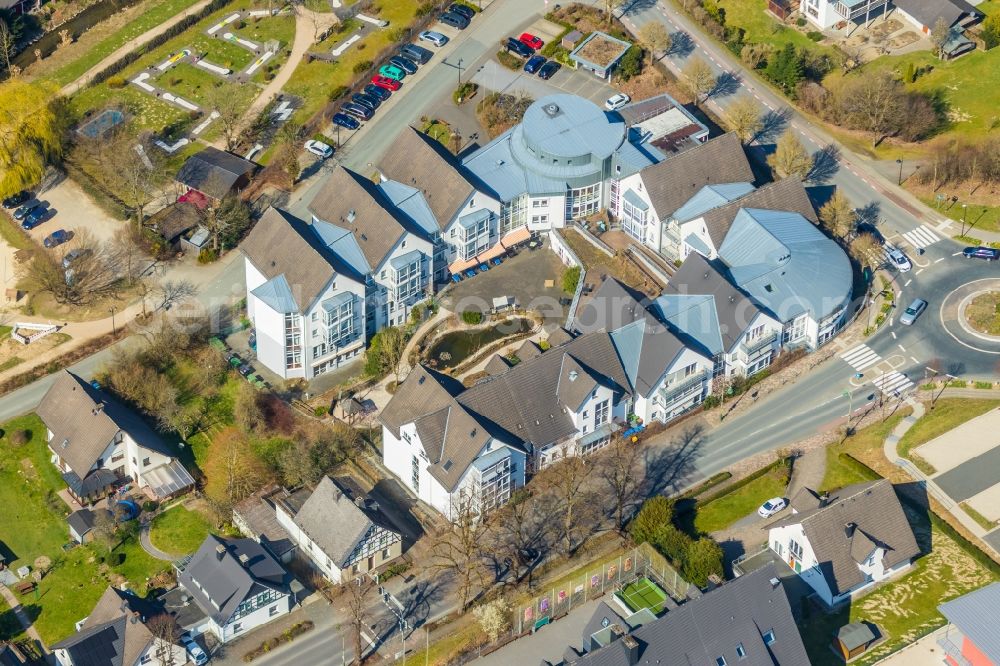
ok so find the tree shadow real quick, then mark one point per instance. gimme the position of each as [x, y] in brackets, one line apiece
[669, 468]
[681, 45]
[772, 124]
[916, 506]
[826, 164]
[727, 83]
[819, 195]
[868, 214]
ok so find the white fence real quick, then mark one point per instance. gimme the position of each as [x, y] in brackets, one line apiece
[40, 331]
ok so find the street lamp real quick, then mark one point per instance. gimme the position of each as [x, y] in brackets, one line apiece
[965, 211]
[850, 409]
[114, 331]
[899, 181]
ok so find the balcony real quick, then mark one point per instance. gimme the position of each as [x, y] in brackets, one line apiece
[951, 643]
[683, 389]
[756, 348]
[855, 9]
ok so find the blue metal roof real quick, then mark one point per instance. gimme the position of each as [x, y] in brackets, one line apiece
[709, 197]
[788, 265]
[343, 244]
[693, 315]
[335, 301]
[412, 203]
[405, 260]
[470, 220]
[635, 200]
[568, 126]
[277, 295]
[695, 241]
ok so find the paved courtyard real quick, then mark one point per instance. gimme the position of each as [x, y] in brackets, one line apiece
[494, 76]
[549, 642]
[533, 278]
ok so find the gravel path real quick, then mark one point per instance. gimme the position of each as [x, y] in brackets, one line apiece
[148, 546]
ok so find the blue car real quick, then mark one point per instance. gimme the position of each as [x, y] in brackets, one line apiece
[379, 93]
[57, 237]
[33, 219]
[496, 261]
[25, 210]
[470, 273]
[483, 268]
[534, 63]
[345, 121]
[455, 277]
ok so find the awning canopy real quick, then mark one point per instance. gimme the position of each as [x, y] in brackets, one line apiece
[519, 235]
[603, 432]
[167, 480]
[195, 197]
[459, 266]
[494, 251]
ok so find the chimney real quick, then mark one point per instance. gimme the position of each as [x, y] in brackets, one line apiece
[616, 632]
[631, 650]
[824, 499]
[244, 559]
[849, 529]
[220, 552]
[134, 618]
[775, 582]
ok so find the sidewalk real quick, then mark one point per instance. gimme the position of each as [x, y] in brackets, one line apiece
[548, 643]
[22, 615]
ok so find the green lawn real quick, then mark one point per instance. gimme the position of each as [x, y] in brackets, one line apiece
[977, 217]
[152, 15]
[179, 531]
[313, 81]
[726, 510]
[838, 474]
[761, 27]
[643, 593]
[947, 414]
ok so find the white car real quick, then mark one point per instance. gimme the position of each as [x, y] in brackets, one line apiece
[617, 101]
[194, 650]
[435, 38]
[771, 507]
[898, 259]
[319, 148]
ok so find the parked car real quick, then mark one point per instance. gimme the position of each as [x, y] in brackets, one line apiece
[345, 121]
[34, 218]
[319, 148]
[771, 507]
[57, 237]
[416, 53]
[530, 41]
[366, 100]
[470, 273]
[194, 650]
[898, 259]
[392, 72]
[358, 111]
[435, 38]
[24, 211]
[404, 64]
[496, 261]
[15, 200]
[379, 93]
[463, 10]
[617, 101]
[911, 313]
[987, 253]
[454, 20]
[518, 48]
[548, 69]
[75, 255]
[455, 277]
[386, 82]
[534, 63]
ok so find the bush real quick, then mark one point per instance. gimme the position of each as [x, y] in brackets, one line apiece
[472, 317]
[117, 82]
[571, 279]
[362, 66]
[464, 92]
[321, 411]
[20, 437]
[287, 636]
[648, 524]
[207, 255]
[337, 93]
[426, 8]
[711, 402]
[631, 63]
[509, 60]
[815, 35]
[149, 505]
[800, 22]
[703, 559]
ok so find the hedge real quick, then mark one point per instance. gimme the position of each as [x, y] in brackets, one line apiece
[780, 462]
[707, 484]
[859, 467]
[287, 636]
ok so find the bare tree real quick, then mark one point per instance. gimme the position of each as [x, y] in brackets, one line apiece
[654, 37]
[226, 221]
[173, 292]
[939, 36]
[92, 274]
[865, 248]
[230, 108]
[790, 157]
[458, 549]
[521, 533]
[743, 117]
[618, 468]
[700, 79]
[567, 480]
[872, 103]
[357, 595]
[166, 633]
[104, 529]
[838, 216]
[8, 46]
[128, 255]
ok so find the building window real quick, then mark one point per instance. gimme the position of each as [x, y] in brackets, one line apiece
[272, 611]
[237, 628]
[540, 203]
[385, 553]
[415, 474]
[720, 661]
[601, 413]
[795, 548]
[741, 651]
[769, 637]
[145, 462]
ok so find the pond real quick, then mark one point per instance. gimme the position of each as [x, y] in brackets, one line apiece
[451, 349]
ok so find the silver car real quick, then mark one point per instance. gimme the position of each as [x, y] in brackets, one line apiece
[913, 311]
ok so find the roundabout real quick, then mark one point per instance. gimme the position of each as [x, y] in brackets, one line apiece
[969, 315]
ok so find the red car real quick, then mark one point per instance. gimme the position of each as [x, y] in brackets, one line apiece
[530, 40]
[385, 82]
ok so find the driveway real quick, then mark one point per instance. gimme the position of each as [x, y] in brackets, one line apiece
[494, 76]
[73, 210]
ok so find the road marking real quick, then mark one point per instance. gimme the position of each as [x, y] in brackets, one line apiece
[914, 360]
[901, 347]
[922, 236]
[893, 335]
[939, 260]
[956, 254]
[892, 383]
[919, 272]
[943, 225]
[907, 284]
[860, 357]
[891, 320]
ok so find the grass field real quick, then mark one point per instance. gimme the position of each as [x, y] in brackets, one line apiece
[179, 531]
[871, 438]
[643, 593]
[726, 510]
[761, 27]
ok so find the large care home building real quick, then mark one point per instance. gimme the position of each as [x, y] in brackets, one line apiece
[971, 637]
[116, 634]
[341, 536]
[844, 543]
[99, 444]
[235, 586]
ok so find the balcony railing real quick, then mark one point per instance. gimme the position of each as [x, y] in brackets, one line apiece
[755, 347]
[953, 649]
[683, 389]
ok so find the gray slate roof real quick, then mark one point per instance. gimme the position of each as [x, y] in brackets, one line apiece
[258, 513]
[740, 612]
[84, 420]
[214, 172]
[675, 180]
[879, 520]
[497, 365]
[220, 582]
[929, 11]
[83, 521]
[975, 614]
[112, 635]
[333, 521]
[786, 194]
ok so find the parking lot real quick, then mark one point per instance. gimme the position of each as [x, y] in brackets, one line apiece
[533, 278]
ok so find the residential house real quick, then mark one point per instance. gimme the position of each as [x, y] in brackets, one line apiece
[256, 517]
[116, 634]
[971, 637]
[83, 522]
[826, 14]
[745, 621]
[98, 444]
[342, 536]
[662, 205]
[565, 160]
[236, 584]
[844, 543]
[216, 173]
[11, 655]
[599, 54]
[179, 224]
[955, 15]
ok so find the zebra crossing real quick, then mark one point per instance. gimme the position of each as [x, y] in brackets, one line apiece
[922, 236]
[892, 383]
[860, 357]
